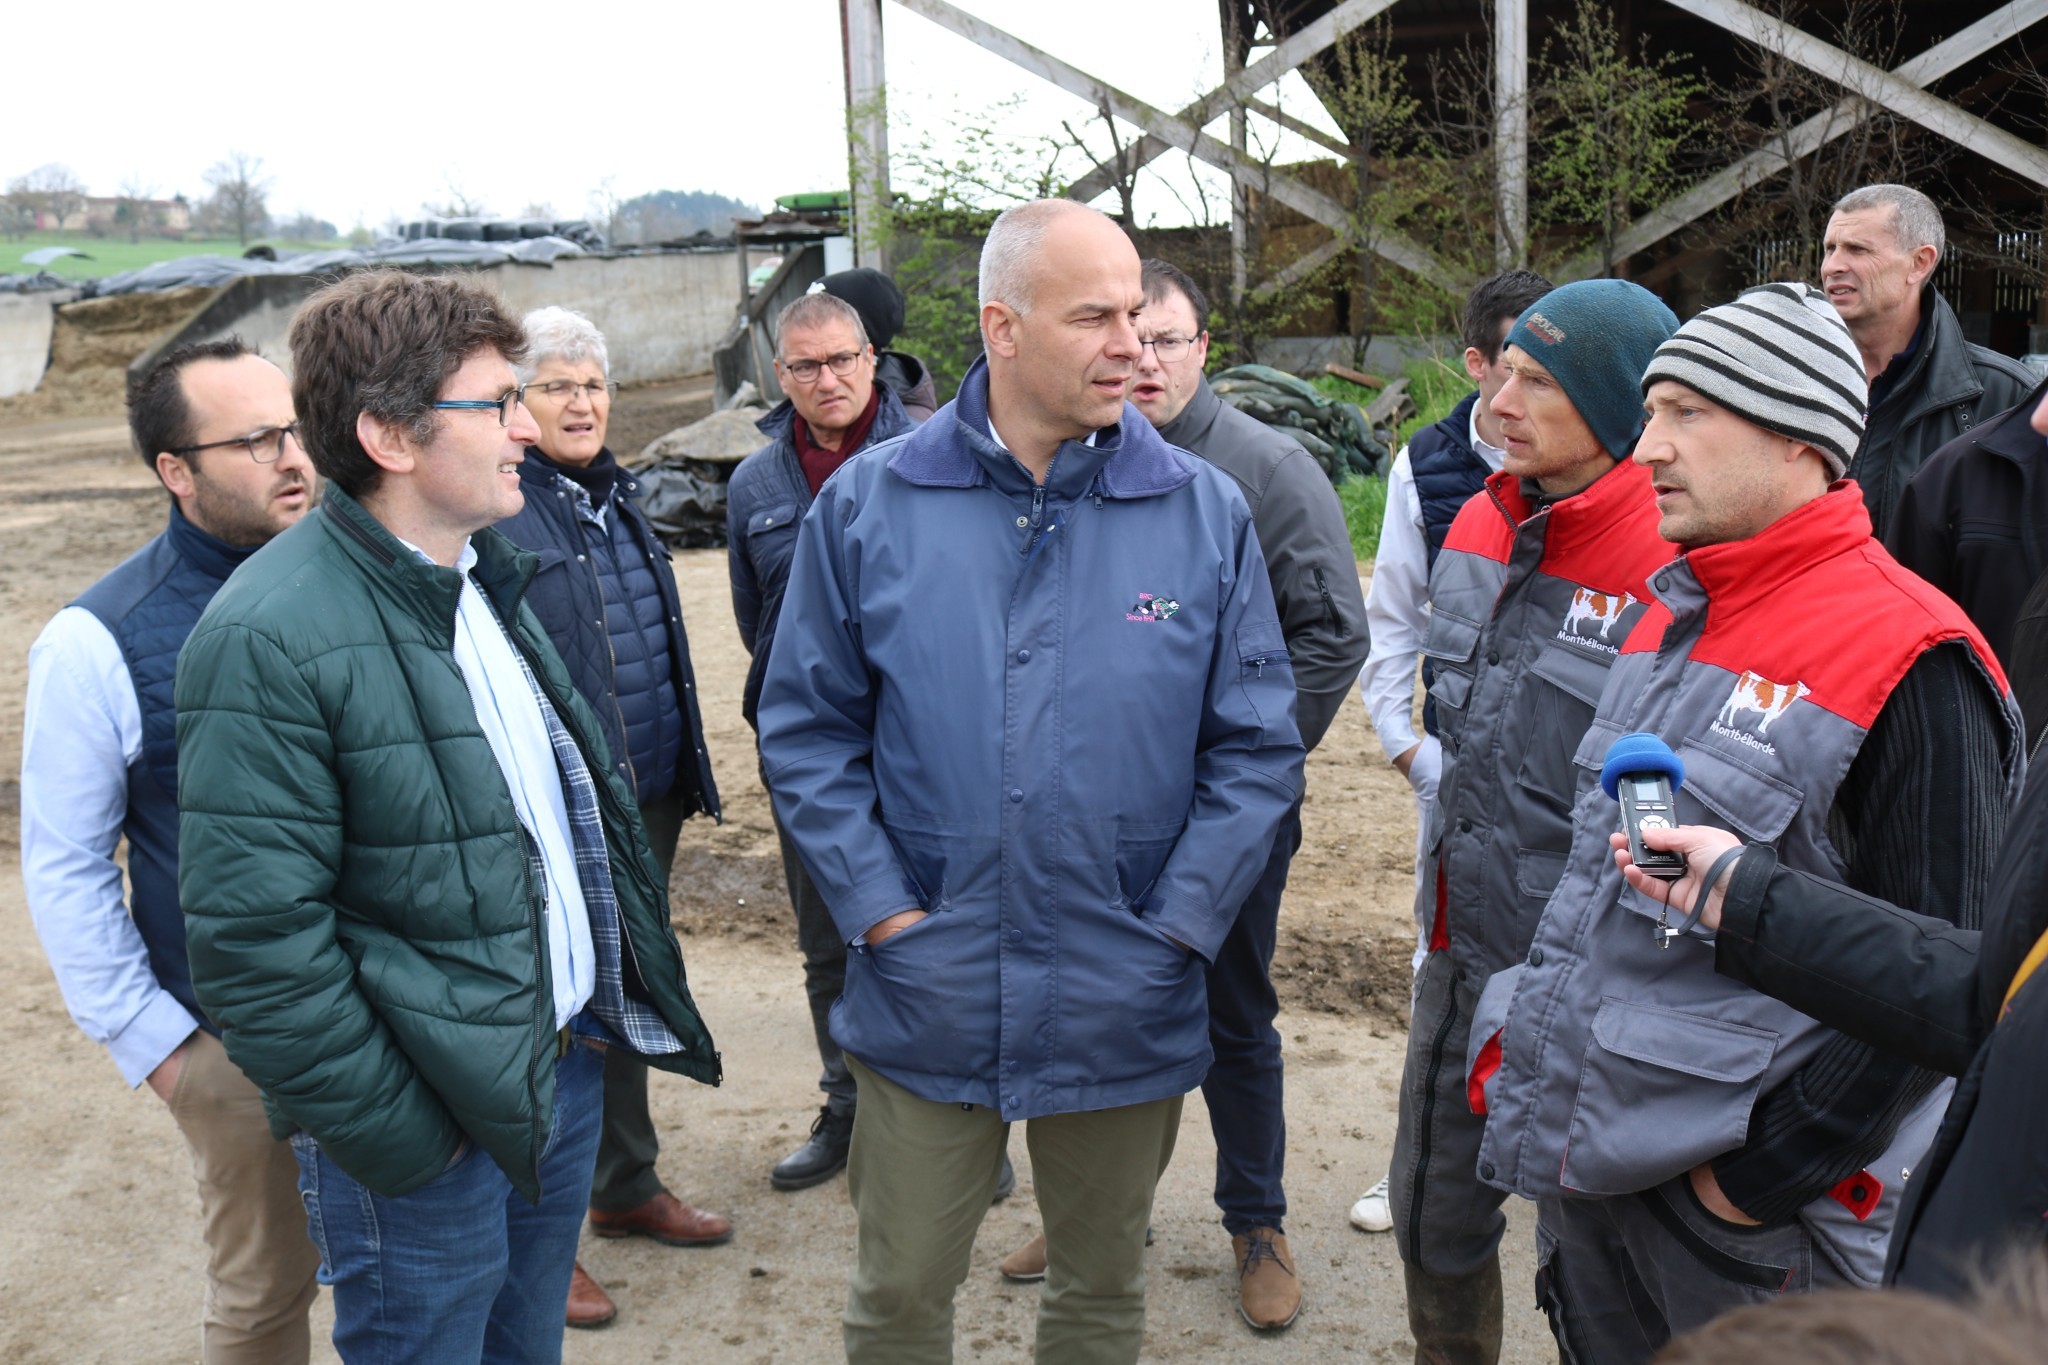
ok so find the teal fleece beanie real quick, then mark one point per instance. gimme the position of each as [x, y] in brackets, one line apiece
[1597, 337]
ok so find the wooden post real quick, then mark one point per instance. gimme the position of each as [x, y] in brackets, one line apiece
[1511, 131]
[867, 129]
[1234, 50]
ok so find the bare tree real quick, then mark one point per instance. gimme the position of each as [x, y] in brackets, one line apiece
[460, 203]
[240, 193]
[53, 191]
[135, 208]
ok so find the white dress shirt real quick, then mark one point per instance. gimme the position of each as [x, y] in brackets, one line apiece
[511, 719]
[81, 732]
[1397, 614]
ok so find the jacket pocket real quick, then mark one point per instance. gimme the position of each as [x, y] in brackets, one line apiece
[1483, 1040]
[1264, 671]
[1745, 799]
[771, 541]
[1699, 1076]
[1561, 707]
[1537, 871]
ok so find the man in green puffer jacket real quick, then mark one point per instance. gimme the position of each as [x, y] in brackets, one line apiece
[417, 898]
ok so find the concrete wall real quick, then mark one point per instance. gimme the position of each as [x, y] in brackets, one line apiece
[25, 323]
[660, 315]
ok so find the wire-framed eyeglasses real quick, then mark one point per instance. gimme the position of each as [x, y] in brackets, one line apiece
[1168, 349]
[504, 404]
[568, 390]
[265, 445]
[806, 371]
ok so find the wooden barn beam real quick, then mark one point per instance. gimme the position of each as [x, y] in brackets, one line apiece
[1303, 199]
[1511, 132]
[1810, 136]
[1237, 89]
[1879, 86]
[867, 130]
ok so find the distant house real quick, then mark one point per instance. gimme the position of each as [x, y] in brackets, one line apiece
[107, 216]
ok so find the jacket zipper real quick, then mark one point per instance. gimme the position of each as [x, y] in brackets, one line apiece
[1330, 605]
[544, 1001]
[612, 654]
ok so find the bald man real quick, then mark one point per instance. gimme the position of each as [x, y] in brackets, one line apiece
[1030, 724]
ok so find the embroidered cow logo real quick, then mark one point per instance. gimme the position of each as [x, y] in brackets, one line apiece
[1152, 607]
[1762, 698]
[1596, 609]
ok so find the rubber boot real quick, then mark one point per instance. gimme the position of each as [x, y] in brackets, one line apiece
[1456, 1320]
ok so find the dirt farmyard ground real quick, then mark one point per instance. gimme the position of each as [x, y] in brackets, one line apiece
[102, 1260]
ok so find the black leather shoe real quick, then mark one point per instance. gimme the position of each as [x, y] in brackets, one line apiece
[1006, 1183]
[820, 1158]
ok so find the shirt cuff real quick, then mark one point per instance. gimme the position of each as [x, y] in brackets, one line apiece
[152, 1035]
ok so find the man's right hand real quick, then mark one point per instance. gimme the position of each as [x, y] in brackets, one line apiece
[895, 924]
[164, 1080]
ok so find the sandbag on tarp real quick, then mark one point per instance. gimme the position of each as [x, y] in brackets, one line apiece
[683, 473]
[1331, 430]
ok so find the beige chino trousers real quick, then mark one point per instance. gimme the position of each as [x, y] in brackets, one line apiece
[260, 1261]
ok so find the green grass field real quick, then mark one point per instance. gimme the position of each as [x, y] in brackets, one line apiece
[112, 255]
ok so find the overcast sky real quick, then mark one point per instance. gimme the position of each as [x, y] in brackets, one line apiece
[365, 111]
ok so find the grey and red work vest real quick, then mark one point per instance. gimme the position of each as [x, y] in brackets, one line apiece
[1609, 1064]
[1528, 609]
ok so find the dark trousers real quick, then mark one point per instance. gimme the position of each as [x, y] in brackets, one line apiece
[627, 1149]
[1620, 1277]
[817, 937]
[1244, 1085]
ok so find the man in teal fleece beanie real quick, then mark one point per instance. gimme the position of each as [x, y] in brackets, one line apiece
[1596, 337]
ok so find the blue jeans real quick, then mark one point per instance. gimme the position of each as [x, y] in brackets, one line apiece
[462, 1268]
[1243, 1088]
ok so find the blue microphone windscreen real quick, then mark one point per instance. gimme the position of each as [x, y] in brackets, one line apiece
[1639, 752]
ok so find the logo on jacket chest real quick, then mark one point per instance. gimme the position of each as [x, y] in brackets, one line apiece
[1591, 618]
[1753, 705]
[1152, 606]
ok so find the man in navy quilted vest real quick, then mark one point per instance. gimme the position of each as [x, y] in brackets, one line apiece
[99, 763]
[1693, 1144]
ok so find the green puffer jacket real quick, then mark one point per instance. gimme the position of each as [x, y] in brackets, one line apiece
[358, 906]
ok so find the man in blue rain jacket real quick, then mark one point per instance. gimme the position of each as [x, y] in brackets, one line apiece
[1030, 723]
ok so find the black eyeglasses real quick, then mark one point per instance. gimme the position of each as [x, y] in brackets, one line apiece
[1168, 349]
[567, 390]
[504, 404]
[265, 446]
[806, 371]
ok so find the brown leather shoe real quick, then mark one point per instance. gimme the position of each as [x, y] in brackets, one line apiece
[589, 1305]
[1026, 1263]
[1268, 1294]
[666, 1219]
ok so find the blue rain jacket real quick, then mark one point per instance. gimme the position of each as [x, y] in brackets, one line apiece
[1060, 719]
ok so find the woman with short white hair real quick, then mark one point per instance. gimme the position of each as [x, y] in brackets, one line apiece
[606, 594]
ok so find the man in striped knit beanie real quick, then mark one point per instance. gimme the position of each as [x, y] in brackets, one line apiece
[1778, 359]
[1692, 1143]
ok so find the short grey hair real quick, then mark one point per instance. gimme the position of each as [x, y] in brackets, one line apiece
[561, 334]
[817, 310]
[1012, 246]
[1916, 222]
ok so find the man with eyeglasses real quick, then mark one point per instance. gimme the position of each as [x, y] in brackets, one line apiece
[1307, 550]
[99, 764]
[605, 593]
[419, 901]
[834, 409]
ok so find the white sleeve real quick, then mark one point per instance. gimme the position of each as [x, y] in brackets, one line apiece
[81, 731]
[1397, 613]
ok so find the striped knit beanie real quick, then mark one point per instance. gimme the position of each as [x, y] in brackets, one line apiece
[1780, 357]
